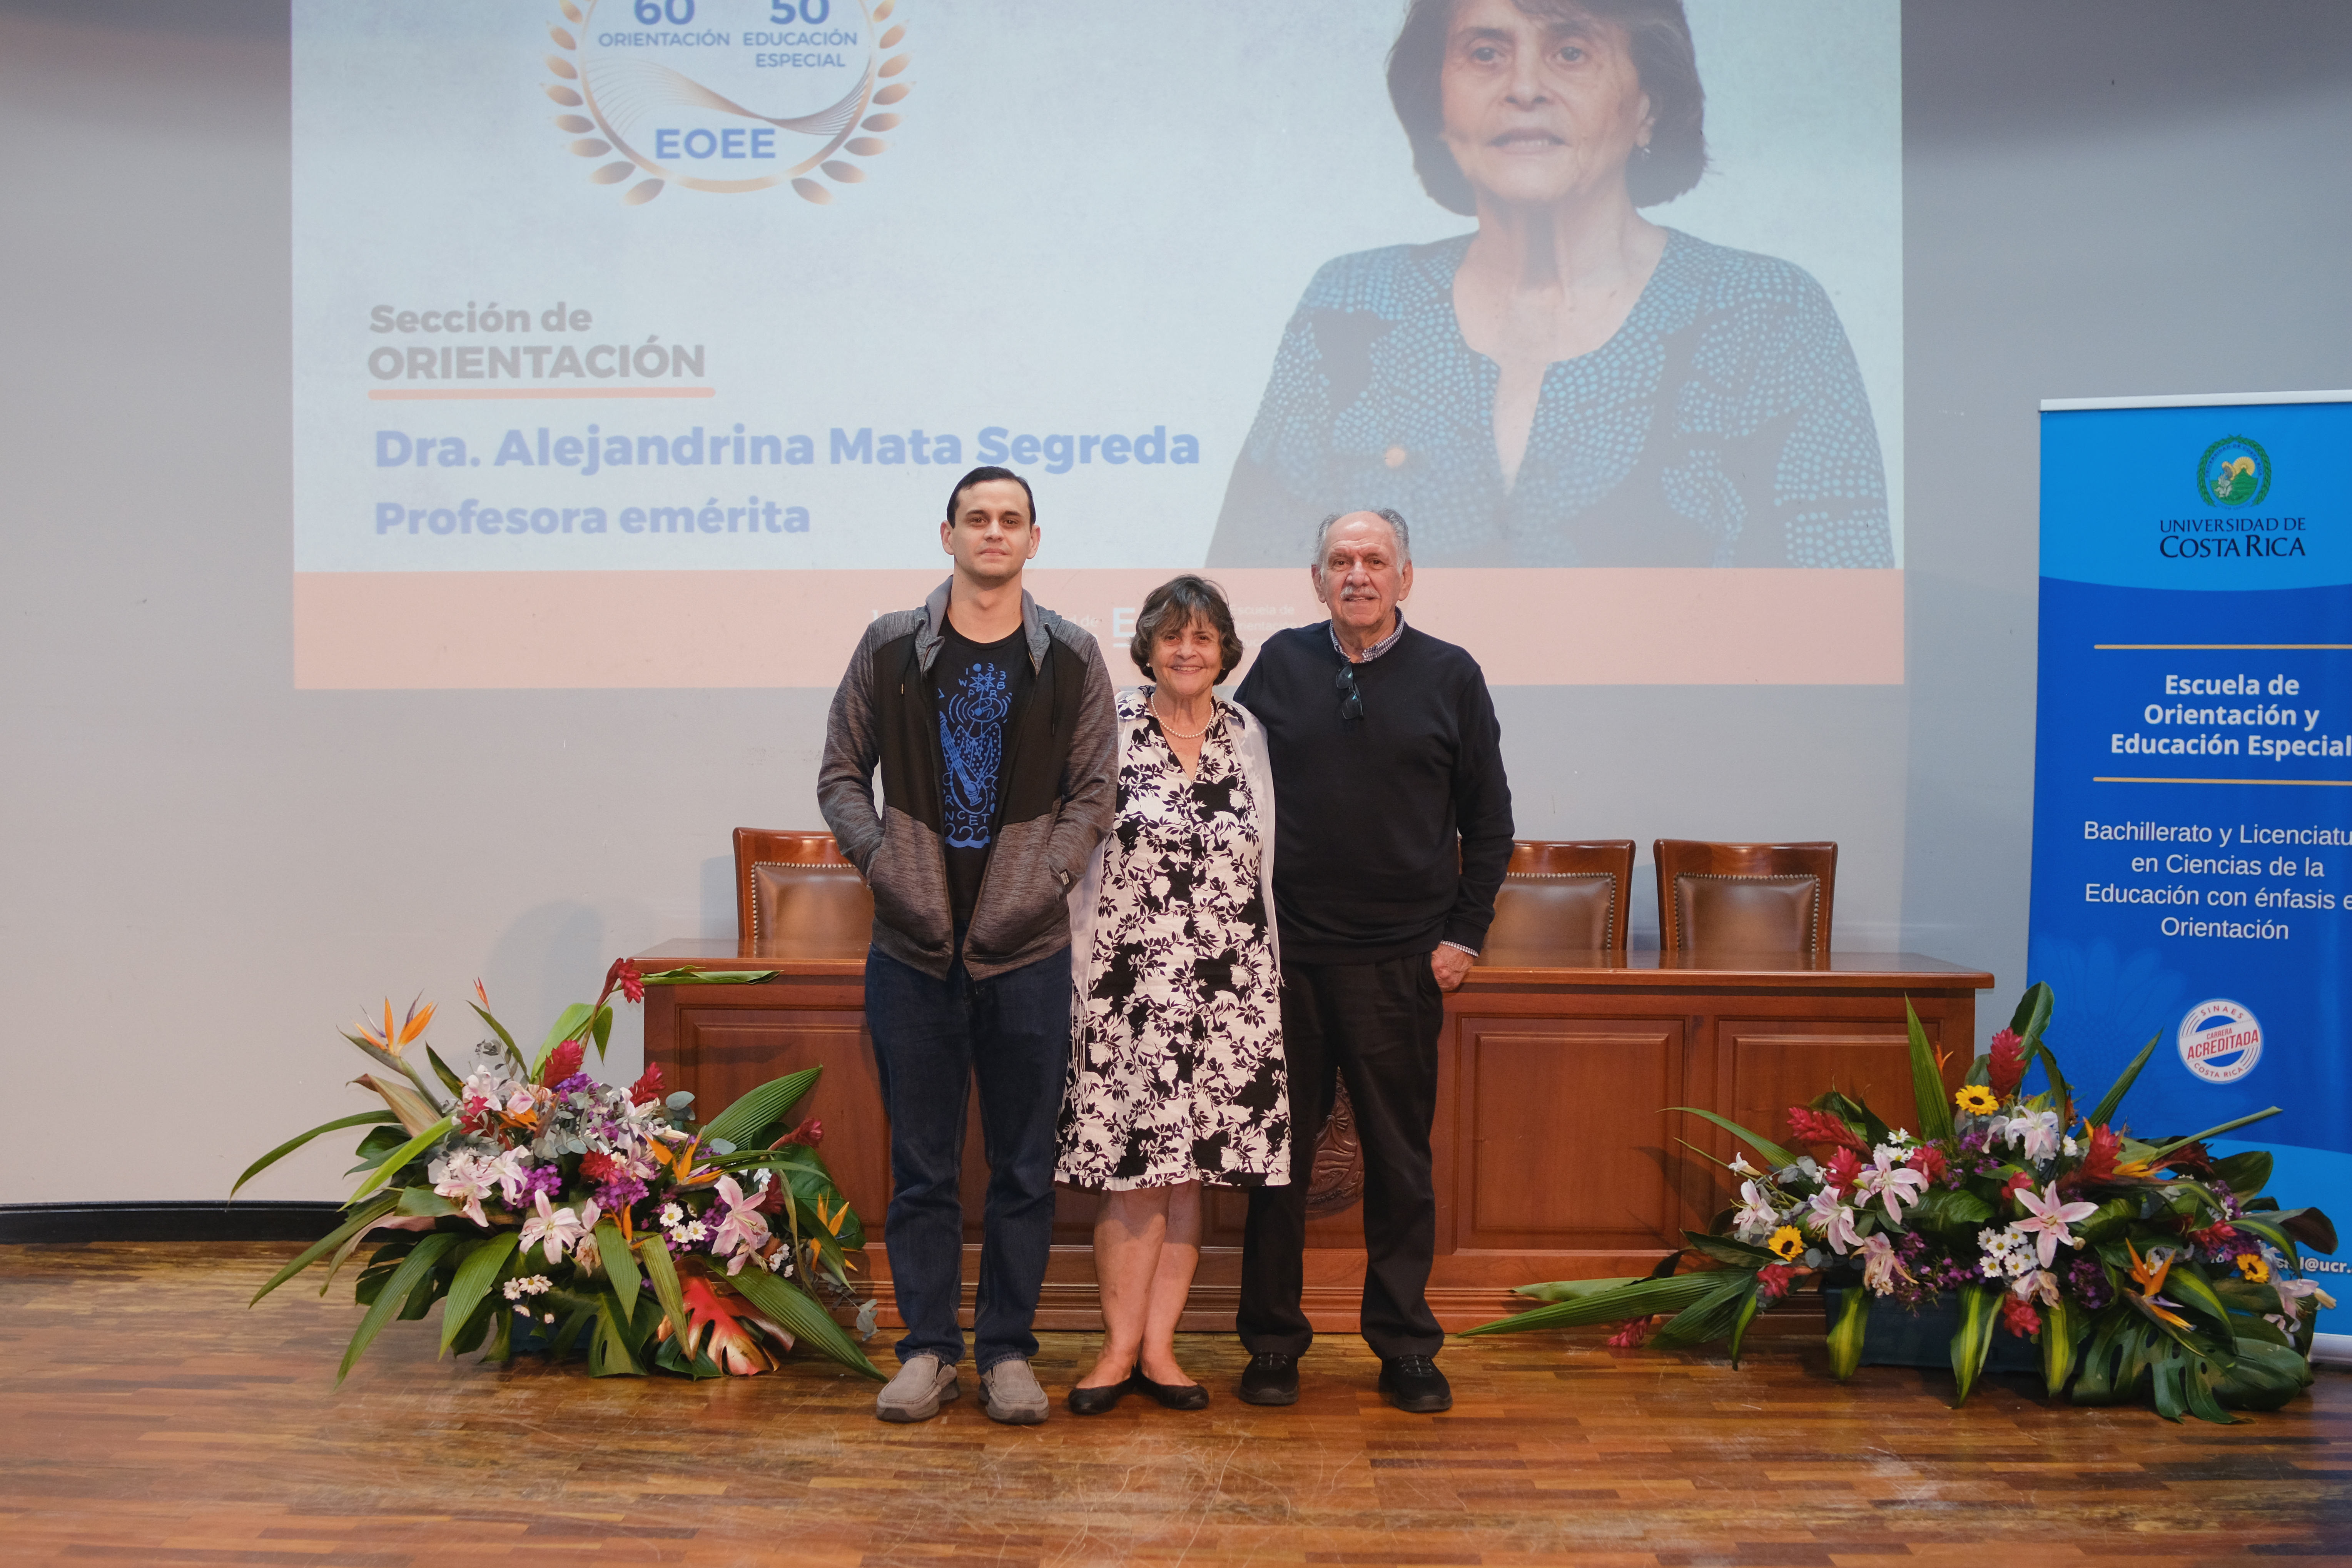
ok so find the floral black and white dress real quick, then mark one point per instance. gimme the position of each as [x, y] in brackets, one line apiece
[1176, 1071]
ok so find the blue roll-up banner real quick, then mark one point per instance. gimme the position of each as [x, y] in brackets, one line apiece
[2193, 798]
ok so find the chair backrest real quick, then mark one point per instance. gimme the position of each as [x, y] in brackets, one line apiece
[796, 888]
[1560, 896]
[1745, 898]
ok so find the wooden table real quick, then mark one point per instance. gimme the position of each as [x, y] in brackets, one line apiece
[1556, 1154]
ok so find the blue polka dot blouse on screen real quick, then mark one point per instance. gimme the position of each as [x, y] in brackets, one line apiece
[1724, 425]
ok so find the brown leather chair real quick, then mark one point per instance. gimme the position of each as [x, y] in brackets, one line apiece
[1560, 896]
[796, 889]
[1745, 898]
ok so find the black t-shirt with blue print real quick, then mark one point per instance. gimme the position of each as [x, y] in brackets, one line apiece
[978, 687]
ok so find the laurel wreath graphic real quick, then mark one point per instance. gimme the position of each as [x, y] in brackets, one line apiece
[626, 89]
[2205, 472]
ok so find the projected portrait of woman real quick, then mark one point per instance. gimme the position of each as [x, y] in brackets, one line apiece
[1570, 385]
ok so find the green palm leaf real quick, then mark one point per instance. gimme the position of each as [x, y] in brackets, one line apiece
[2058, 1336]
[349, 1230]
[412, 1271]
[362, 1119]
[1933, 1102]
[1845, 1335]
[2109, 1102]
[403, 1154]
[655, 1255]
[1980, 1307]
[806, 1322]
[758, 1109]
[1643, 1298]
[1764, 1146]
[475, 1276]
[2179, 1143]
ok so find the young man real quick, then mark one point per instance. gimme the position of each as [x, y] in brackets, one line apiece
[992, 720]
[1395, 830]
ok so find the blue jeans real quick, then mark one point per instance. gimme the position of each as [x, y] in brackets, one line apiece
[931, 1039]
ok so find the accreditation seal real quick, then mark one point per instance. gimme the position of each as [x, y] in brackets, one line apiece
[2220, 1041]
[728, 96]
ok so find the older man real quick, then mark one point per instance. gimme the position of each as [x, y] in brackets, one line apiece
[1395, 826]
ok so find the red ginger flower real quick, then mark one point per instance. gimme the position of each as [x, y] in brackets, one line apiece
[1840, 1173]
[1810, 1126]
[2017, 1180]
[1773, 1282]
[649, 1088]
[1930, 1161]
[2104, 1148]
[811, 1132]
[561, 1063]
[2192, 1160]
[596, 1167]
[2019, 1317]
[625, 974]
[1630, 1336]
[2008, 1067]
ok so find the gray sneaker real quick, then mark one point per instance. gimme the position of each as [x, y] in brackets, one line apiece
[1009, 1392]
[925, 1381]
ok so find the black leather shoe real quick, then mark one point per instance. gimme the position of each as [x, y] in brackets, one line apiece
[1271, 1378]
[1174, 1396]
[1413, 1384]
[1096, 1401]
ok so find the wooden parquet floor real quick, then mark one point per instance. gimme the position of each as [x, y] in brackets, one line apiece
[147, 1416]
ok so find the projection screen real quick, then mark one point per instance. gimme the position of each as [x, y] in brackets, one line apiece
[637, 343]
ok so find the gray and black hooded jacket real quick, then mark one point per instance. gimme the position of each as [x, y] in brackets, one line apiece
[1054, 792]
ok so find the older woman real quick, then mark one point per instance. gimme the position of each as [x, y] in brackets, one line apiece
[1572, 385]
[1176, 1074]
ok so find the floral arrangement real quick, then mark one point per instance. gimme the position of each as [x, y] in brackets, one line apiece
[2134, 1264]
[545, 1208]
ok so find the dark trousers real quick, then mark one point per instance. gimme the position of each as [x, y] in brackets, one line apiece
[1376, 1023]
[931, 1039]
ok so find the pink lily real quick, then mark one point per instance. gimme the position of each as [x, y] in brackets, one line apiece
[561, 1229]
[742, 1232]
[1834, 1220]
[466, 1179]
[1881, 1266]
[2051, 1217]
[1891, 1183]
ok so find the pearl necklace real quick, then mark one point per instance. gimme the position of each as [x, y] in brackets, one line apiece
[1171, 730]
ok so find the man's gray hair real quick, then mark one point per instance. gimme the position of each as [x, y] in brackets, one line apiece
[1396, 520]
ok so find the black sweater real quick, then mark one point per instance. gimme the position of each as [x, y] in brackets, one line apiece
[1393, 830]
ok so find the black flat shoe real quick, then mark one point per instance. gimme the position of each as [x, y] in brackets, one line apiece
[1413, 1384]
[1271, 1378]
[1096, 1401]
[1174, 1396]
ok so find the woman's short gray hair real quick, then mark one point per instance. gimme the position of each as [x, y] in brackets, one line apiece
[1394, 519]
[1177, 603]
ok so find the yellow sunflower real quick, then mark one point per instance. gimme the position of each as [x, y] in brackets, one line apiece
[1788, 1243]
[2252, 1267]
[1976, 1100]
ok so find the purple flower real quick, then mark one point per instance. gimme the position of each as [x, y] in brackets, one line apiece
[620, 1193]
[2089, 1283]
[541, 1179]
[578, 1083]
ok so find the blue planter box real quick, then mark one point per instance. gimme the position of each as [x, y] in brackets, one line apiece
[1894, 1336]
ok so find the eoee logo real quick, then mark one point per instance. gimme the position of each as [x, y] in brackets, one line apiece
[728, 96]
[2220, 1041]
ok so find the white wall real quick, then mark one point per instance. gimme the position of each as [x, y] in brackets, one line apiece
[203, 872]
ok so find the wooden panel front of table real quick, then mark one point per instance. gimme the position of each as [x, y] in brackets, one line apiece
[1556, 1154]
